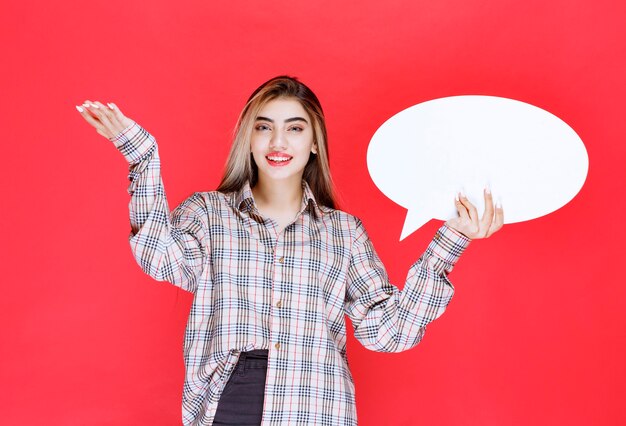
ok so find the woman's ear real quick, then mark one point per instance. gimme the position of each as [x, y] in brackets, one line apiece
[314, 148]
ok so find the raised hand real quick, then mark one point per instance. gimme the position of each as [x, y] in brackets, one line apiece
[468, 223]
[107, 120]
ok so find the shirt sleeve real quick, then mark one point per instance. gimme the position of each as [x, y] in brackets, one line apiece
[386, 319]
[168, 246]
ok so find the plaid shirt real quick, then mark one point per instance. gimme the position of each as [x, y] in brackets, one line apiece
[286, 292]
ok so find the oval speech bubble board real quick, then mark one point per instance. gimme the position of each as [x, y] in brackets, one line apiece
[421, 157]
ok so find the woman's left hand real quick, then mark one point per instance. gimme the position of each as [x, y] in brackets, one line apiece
[468, 223]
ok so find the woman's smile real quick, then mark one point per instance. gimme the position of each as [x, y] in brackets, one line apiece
[278, 159]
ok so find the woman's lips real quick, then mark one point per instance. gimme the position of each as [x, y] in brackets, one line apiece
[278, 159]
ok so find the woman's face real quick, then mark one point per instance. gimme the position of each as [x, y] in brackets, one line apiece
[282, 140]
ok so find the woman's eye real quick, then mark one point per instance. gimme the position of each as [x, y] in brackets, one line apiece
[262, 127]
[296, 129]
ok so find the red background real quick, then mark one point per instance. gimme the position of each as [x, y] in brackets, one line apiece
[536, 331]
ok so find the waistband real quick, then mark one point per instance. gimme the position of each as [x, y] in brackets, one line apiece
[257, 353]
[253, 359]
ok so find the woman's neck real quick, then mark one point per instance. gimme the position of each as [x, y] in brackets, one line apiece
[278, 196]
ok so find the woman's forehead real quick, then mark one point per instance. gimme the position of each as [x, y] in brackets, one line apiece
[281, 109]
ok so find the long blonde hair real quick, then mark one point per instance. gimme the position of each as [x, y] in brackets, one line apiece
[240, 166]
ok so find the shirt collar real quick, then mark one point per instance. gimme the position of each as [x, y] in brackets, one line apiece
[244, 200]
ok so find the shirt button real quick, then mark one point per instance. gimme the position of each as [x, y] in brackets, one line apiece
[281, 259]
[277, 345]
[279, 304]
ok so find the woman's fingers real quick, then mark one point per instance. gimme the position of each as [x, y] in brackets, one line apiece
[92, 110]
[87, 106]
[463, 213]
[90, 117]
[471, 210]
[116, 118]
[468, 223]
[488, 215]
[462, 223]
[116, 115]
[107, 119]
[498, 220]
[123, 121]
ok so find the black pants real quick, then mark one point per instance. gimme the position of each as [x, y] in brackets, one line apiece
[241, 402]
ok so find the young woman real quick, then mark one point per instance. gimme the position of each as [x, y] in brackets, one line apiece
[275, 267]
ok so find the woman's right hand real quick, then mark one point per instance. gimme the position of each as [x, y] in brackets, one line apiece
[107, 120]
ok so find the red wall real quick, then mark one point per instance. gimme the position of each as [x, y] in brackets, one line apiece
[536, 332]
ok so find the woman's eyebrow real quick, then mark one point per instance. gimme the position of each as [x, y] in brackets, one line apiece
[289, 120]
[292, 119]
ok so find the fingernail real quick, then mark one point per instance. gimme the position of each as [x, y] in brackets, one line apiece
[95, 106]
[80, 109]
[111, 105]
[86, 105]
[487, 189]
[499, 204]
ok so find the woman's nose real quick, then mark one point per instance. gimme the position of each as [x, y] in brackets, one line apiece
[278, 140]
